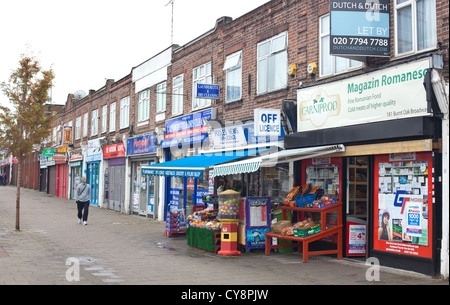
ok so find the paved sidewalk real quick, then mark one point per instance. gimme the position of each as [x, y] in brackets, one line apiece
[115, 248]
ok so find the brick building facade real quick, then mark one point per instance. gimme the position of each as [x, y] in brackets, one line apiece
[249, 59]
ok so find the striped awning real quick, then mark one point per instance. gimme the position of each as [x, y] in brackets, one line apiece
[271, 159]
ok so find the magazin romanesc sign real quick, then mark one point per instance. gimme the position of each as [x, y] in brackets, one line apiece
[207, 91]
[387, 94]
[359, 28]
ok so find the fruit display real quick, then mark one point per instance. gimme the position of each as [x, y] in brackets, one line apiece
[205, 224]
[229, 205]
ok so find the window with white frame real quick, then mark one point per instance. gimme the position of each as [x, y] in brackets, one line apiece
[94, 122]
[54, 135]
[177, 95]
[112, 117]
[125, 112]
[161, 97]
[233, 68]
[201, 75]
[78, 128]
[272, 63]
[415, 25]
[144, 105]
[85, 125]
[104, 117]
[329, 64]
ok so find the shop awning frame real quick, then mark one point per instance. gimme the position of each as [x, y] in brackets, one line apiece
[253, 164]
[195, 165]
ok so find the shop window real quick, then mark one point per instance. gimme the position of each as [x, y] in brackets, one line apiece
[272, 64]
[177, 95]
[275, 182]
[403, 194]
[143, 105]
[233, 68]
[329, 64]
[201, 75]
[415, 25]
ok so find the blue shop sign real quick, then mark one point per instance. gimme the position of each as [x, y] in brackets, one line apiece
[187, 129]
[141, 145]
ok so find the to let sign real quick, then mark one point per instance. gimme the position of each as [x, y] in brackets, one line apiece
[207, 91]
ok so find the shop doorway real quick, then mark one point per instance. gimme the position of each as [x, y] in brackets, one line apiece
[357, 206]
[93, 181]
[144, 190]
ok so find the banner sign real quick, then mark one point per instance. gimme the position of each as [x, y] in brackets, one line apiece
[388, 94]
[67, 135]
[114, 151]
[360, 28]
[141, 145]
[94, 151]
[188, 129]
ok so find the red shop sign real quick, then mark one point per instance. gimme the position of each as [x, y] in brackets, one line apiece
[114, 151]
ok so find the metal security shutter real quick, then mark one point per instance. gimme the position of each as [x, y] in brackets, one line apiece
[116, 186]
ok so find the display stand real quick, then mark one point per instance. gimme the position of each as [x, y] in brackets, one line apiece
[175, 223]
[203, 239]
[303, 242]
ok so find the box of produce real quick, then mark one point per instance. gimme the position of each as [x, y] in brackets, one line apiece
[306, 228]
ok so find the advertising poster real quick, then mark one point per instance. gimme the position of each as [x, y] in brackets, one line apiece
[357, 239]
[402, 210]
[257, 211]
[174, 199]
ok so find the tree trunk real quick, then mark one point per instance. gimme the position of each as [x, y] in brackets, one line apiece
[19, 174]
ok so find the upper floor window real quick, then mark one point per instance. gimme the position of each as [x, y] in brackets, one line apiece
[233, 68]
[415, 25]
[104, 117]
[177, 95]
[201, 75]
[78, 128]
[144, 105]
[112, 117]
[329, 64]
[161, 97]
[85, 125]
[272, 63]
[94, 122]
[125, 112]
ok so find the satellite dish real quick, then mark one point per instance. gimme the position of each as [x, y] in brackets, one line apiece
[79, 94]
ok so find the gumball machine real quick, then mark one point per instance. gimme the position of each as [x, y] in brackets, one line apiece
[228, 215]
